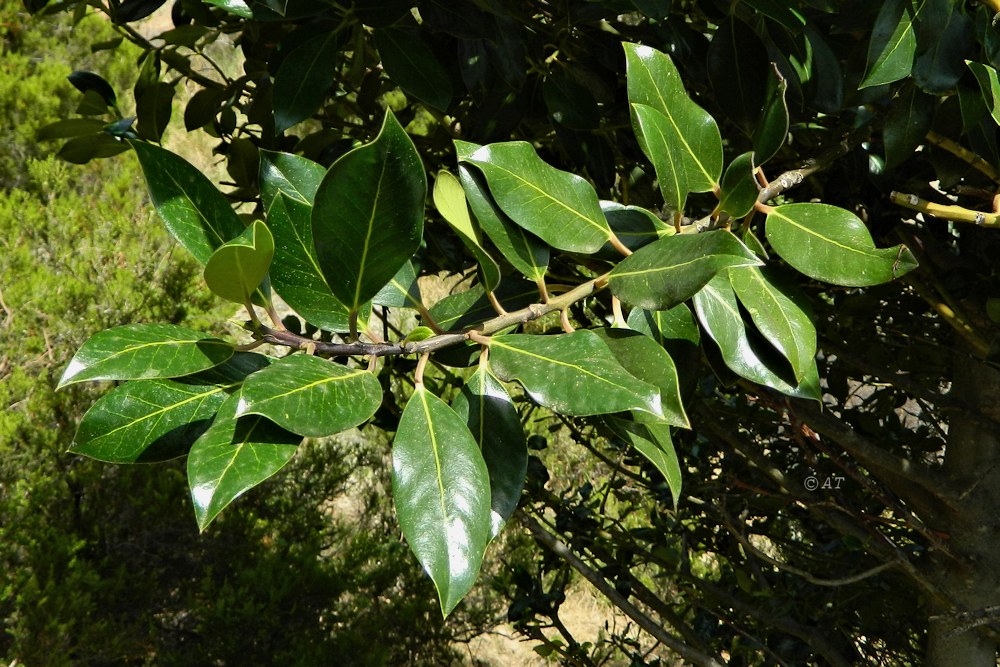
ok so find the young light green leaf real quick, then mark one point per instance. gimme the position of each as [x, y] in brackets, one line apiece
[295, 272]
[368, 215]
[832, 245]
[893, 44]
[303, 79]
[572, 374]
[239, 266]
[779, 312]
[652, 441]
[311, 396]
[491, 416]
[525, 251]
[664, 273]
[145, 351]
[560, 208]
[719, 314]
[441, 489]
[690, 133]
[233, 456]
[739, 187]
[449, 199]
[645, 359]
[989, 83]
[193, 210]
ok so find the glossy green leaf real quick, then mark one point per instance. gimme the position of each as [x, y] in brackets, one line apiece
[410, 61]
[144, 421]
[441, 489]
[303, 79]
[772, 127]
[368, 215]
[311, 396]
[526, 252]
[633, 225]
[70, 127]
[690, 135]
[236, 7]
[778, 310]
[833, 245]
[989, 83]
[669, 271]
[739, 187]
[655, 135]
[194, 211]
[493, 420]
[296, 177]
[560, 208]
[239, 266]
[145, 351]
[893, 44]
[154, 420]
[295, 272]
[645, 359]
[403, 291]
[233, 456]
[719, 314]
[654, 442]
[449, 199]
[664, 326]
[572, 374]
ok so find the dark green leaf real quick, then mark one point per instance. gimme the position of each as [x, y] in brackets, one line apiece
[233, 456]
[368, 216]
[294, 176]
[525, 251]
[664, 326]
[779, 312]
[633, 225]
[203, 107]
[656, 137]
[152, 109]
[938, 68]
[772, 127]
[907, 124]
[669, 271]
[71, 127]
[572, 374]
[88, 81]
[570, 102]
[645, 359]
[471, 307]
[738, 69]
[194, 211]
[718, 312]
[133, 10]
[689, 133]
[303, 79]
[145, 351]
[559, 207]
[311, 396]
[893, 44]
[739, 187]
[489, 413]
[239, 266]
[409, 60]
[441, 489]
[82, 150]
[148, 420]
[402, 291]
[833, 245]
[989, 83]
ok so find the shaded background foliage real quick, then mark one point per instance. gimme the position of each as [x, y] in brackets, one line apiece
[753, 563]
